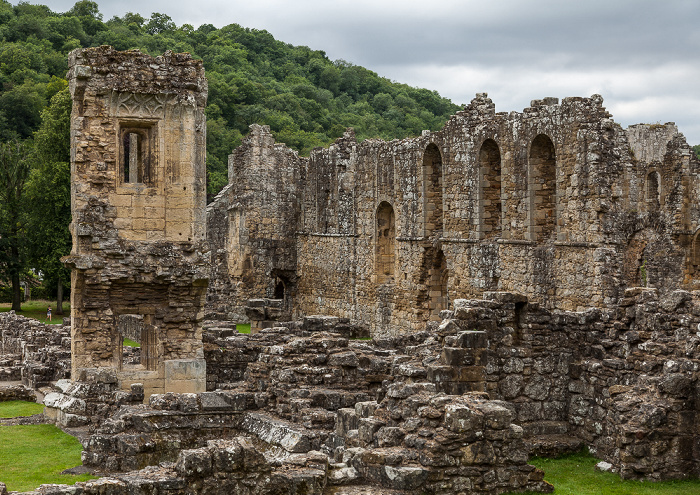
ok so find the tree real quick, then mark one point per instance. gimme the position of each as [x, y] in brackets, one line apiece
[48, 194]
[159, 23]
[14, 171]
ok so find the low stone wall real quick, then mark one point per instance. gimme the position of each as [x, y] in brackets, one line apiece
[295, 398]
[33, 352]
[623, 382]
[92, 398]
[17, 392]
[223, 467]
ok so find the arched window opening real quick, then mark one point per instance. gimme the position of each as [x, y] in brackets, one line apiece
[490, 200]
[653, 195]
[437, 290]
[385, 240]
[543, 189]
[432, 189]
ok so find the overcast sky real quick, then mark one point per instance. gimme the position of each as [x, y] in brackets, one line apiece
[643, 56]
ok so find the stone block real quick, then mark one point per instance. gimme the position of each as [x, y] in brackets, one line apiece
[186, 375]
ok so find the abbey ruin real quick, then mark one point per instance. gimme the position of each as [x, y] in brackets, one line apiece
[558, 203]
[521, 283]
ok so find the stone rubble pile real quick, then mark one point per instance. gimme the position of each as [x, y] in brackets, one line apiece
[457, 408]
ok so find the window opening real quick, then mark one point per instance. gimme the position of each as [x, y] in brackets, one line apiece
[543, 189]
[432, 189]
[653, 196]
[490, 165]
[386, 234]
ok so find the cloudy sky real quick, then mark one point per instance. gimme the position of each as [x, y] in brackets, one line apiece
[643, 56]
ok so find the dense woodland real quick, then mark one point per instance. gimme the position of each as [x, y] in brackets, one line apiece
[305, 98]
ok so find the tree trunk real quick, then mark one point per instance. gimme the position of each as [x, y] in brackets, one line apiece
[59, 298]
[16, 293]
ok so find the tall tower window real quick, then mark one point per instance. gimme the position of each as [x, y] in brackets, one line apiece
[136, 153]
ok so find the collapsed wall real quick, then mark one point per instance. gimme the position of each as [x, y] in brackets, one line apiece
[459, 406]
[498, 380]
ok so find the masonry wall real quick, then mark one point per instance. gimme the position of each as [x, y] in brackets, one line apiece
[558, 203]
[139, 256]
[253, 224]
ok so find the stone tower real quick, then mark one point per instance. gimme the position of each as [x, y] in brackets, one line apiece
[139, 258]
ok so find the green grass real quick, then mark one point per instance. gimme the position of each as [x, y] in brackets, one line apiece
[575, 475]
[243, 327]
[17, 408]
[131, 343]
[37, 310]
[32, 455]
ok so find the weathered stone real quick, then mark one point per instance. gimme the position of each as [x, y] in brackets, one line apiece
[138, 171]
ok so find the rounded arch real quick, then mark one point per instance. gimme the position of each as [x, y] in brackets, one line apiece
[385, 238]
[490, 189]
[432, 189]
[652, 191]
[542, 183]
[433, 278]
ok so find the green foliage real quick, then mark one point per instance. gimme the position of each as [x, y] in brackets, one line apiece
[19, 408]
[6, 294]
[243, 327]
[14, 171]
[48, 193]
[696, 149]
[575, 474]
[305, 98]
[36, 454]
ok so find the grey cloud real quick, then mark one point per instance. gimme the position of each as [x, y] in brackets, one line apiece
[641, 55]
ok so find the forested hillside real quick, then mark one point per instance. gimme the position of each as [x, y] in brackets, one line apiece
[306, 99]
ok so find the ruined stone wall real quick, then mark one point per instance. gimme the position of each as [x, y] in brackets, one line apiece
[33, 352]
[512, 239]
[557, 202]
[622, 381]
[252, 226]
[138, 136]
[221, 467]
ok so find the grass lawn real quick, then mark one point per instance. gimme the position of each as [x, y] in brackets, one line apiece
[37, 309]
[17, 408]
[575, 475]
[243, 327]
[131, 343]
[35, 454]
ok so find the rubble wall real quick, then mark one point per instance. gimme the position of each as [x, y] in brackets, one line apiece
[621, 381]
[252, 225]
[34, 352]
